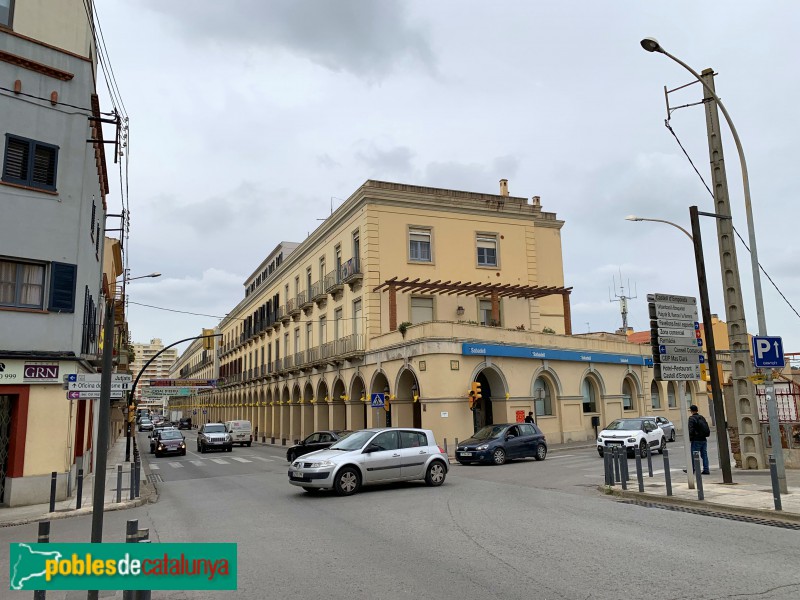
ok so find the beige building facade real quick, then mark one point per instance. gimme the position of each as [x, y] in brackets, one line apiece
[413, 294]
[160, 368]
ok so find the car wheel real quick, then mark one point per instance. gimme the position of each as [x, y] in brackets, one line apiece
[202, 448]
[183, 453]
[290, 457]
[229, 448]
[347, 482]
[600, 452]
[541, 452]
[672, 436]
[436, 473]
[499, 456]
[662, 446]
[249, 444]
[157, 455]
[643, 449]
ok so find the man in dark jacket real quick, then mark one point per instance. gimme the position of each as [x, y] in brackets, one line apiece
[698, 434]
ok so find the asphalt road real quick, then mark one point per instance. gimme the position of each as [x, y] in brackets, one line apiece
[527, 530]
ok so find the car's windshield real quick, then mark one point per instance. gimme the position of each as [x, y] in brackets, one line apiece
[489, 432]
[353, 441]
[626, 424]
[146, 421]
[215, 428]
[171, 434]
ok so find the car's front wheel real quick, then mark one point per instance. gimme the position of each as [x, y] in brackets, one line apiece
[600, 451]
[436, 473]
[643, 449]
[290, 457]
[347, 482]
[541, 452]
[229, 448]
[202, 448]
[662, 446]
[672, 436]
[499, 456]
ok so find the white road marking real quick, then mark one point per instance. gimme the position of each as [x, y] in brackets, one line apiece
[220, 461]
[241, 460]
[551, 457]
[198, 463]
[176, 465]
[265, 459]
[154, 467]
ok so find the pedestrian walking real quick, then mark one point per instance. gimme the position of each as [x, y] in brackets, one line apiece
[698, 436]
[529, 418]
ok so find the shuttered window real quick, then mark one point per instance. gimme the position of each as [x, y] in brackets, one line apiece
[62, 287]
[421, 310]
[487, 251]
[419, 245]
[31, 163]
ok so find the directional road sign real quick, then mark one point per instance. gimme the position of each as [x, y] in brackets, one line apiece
[767, 352]
[94, 386]
[675, 372]
[90, 395]
[675, 337]
[378, 400]
[678, 349]
[115, 377]
[167, 391]
[201, 383]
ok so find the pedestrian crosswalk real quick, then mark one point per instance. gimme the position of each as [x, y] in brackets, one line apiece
[204, 462]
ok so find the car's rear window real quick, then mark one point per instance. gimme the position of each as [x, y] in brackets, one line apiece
[413, 439]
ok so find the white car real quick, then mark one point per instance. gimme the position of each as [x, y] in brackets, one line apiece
[666, 425]
[639, 432]
[372, 456]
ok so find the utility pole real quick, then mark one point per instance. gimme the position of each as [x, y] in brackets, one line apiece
[751, 443]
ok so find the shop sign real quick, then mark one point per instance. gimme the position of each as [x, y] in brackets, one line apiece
[29, 372]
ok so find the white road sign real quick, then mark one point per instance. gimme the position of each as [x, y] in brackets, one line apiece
[676, 372]
[692, 359]
[672, 349]
[117, 377]
[91, 395]
[675, 323]
[679, 312]
[672, 299]
[89, 386]
[670, 340]
[675, 332]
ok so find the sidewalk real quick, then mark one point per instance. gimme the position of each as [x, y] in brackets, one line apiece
[19, 515]
[750, 493]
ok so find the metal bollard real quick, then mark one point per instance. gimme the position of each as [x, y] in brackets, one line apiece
[138, 478]
[44, 538]
[698, 477]
[649, 461]
[119, 484]
[53, 482]
[131, 537]
[637, 453]
[608, 465]
[445, 447]
[776, 487]
[667, 473]
[80, 489]
[133, 486]
[615, 460]
[623, 468]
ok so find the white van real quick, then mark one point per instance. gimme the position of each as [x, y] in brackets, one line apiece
[240, 432]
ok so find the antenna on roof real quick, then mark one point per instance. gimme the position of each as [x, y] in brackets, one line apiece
[623, 298]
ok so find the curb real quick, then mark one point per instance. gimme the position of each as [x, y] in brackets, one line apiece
[726, 508]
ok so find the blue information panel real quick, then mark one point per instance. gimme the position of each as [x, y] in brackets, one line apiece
[767, 352]
[469, 349]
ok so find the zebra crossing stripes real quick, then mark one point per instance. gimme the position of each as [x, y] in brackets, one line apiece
[241, 460]
[154, 467]
[176, 465]
[198, 463]
[220, 461]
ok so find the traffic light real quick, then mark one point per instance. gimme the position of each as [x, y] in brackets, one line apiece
[208, 342]
[474, 394]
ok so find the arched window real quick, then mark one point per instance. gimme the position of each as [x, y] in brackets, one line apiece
[655, 395]
[542, 397]
[687, 395]
[589, 396]
[671, 401]
[627, 395]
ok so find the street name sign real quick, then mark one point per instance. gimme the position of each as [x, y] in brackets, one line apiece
[196, 383]
[675, 337]
[90, 395]
[768, 352]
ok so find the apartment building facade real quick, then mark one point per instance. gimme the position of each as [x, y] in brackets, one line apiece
[159, 368]
[415, 293]
[53, 187]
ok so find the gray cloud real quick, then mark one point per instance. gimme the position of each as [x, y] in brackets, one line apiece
[366, 39]
[473, 177]
[394, 161]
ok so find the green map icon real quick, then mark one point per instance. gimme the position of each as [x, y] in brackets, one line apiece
[28, 565]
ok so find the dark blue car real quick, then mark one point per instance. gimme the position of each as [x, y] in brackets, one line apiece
[500, 443]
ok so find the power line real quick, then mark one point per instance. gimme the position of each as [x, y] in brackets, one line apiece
[184, 312]
[763, 270]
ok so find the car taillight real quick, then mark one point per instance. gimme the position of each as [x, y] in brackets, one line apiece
[440, 449]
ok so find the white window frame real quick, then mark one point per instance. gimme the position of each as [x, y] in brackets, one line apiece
[488, 240]
[420, 231]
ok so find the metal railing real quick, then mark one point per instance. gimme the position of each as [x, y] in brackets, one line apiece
[317, 290]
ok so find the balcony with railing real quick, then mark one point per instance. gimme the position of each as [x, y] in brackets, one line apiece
[304, 301]
[317, 293]
[350, 271]
[333, 283]
[286, 311]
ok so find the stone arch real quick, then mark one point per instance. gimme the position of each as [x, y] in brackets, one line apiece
[554, 389]
[295, 419]
[494, 388]
[596, 387]
[338, 409]
[322, 407]
[635, 385]
[307, 411]
[407, 411]
[380, 384]
[357, 407]
[284, 413]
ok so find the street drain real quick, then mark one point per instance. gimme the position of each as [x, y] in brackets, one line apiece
[155, 478]
[713, 513]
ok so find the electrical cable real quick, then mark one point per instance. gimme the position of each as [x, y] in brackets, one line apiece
[185, 312]
[763, 270]
[88, 110]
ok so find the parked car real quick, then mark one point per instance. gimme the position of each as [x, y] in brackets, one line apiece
[640, 432]
[212, 436]
[240, 431]
[145, 424]
[154, 434]
[665, 424]
[185, 423]
[372, 456]
[319, 440]
[169, 441]
[503, 442]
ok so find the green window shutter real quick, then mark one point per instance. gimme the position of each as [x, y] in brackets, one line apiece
[62, 287]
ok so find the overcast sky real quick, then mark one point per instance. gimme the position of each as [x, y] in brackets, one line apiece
[249, 118]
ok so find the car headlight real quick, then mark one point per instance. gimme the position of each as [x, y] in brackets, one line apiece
[183, 445]
[160, 447]
[228, 438]
[296, 464]
[631, 440]
[483, 447]
[321, 464]
[599, 440]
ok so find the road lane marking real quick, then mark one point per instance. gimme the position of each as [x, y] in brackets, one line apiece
[176, 465]
[154, 467]
[241, 460]
[551, 457]
[264, 459]
[198, 463]
[220, 461]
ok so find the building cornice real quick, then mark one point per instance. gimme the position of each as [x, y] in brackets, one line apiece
[32, 65]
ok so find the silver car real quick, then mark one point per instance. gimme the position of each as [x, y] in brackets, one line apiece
[666, 426]
[372, 456]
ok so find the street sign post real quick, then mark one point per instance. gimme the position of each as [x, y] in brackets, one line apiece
[768, 352]
[675, 337]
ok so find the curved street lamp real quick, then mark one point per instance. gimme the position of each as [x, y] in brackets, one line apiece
[652, 45]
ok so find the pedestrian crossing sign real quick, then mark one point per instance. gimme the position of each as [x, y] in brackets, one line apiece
[378, 400]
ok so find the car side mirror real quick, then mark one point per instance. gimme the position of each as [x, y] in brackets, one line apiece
[510, 436]
[371, 448]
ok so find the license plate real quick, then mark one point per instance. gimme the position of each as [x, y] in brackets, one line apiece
[297, 475]
[466, 454]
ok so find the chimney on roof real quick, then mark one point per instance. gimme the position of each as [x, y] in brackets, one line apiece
[504, 187]
[537, 200]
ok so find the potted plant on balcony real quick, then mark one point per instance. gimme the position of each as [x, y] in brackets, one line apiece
[403, 327]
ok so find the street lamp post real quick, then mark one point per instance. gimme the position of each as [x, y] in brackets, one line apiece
[652, 45]
[716, 389]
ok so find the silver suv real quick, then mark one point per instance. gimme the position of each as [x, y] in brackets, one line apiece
[372, 456]
[213, 436]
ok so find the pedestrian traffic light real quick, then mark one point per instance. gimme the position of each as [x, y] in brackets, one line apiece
[208, 339]
[476, 387]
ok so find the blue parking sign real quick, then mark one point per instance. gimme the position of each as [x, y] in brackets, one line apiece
[767, 352]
